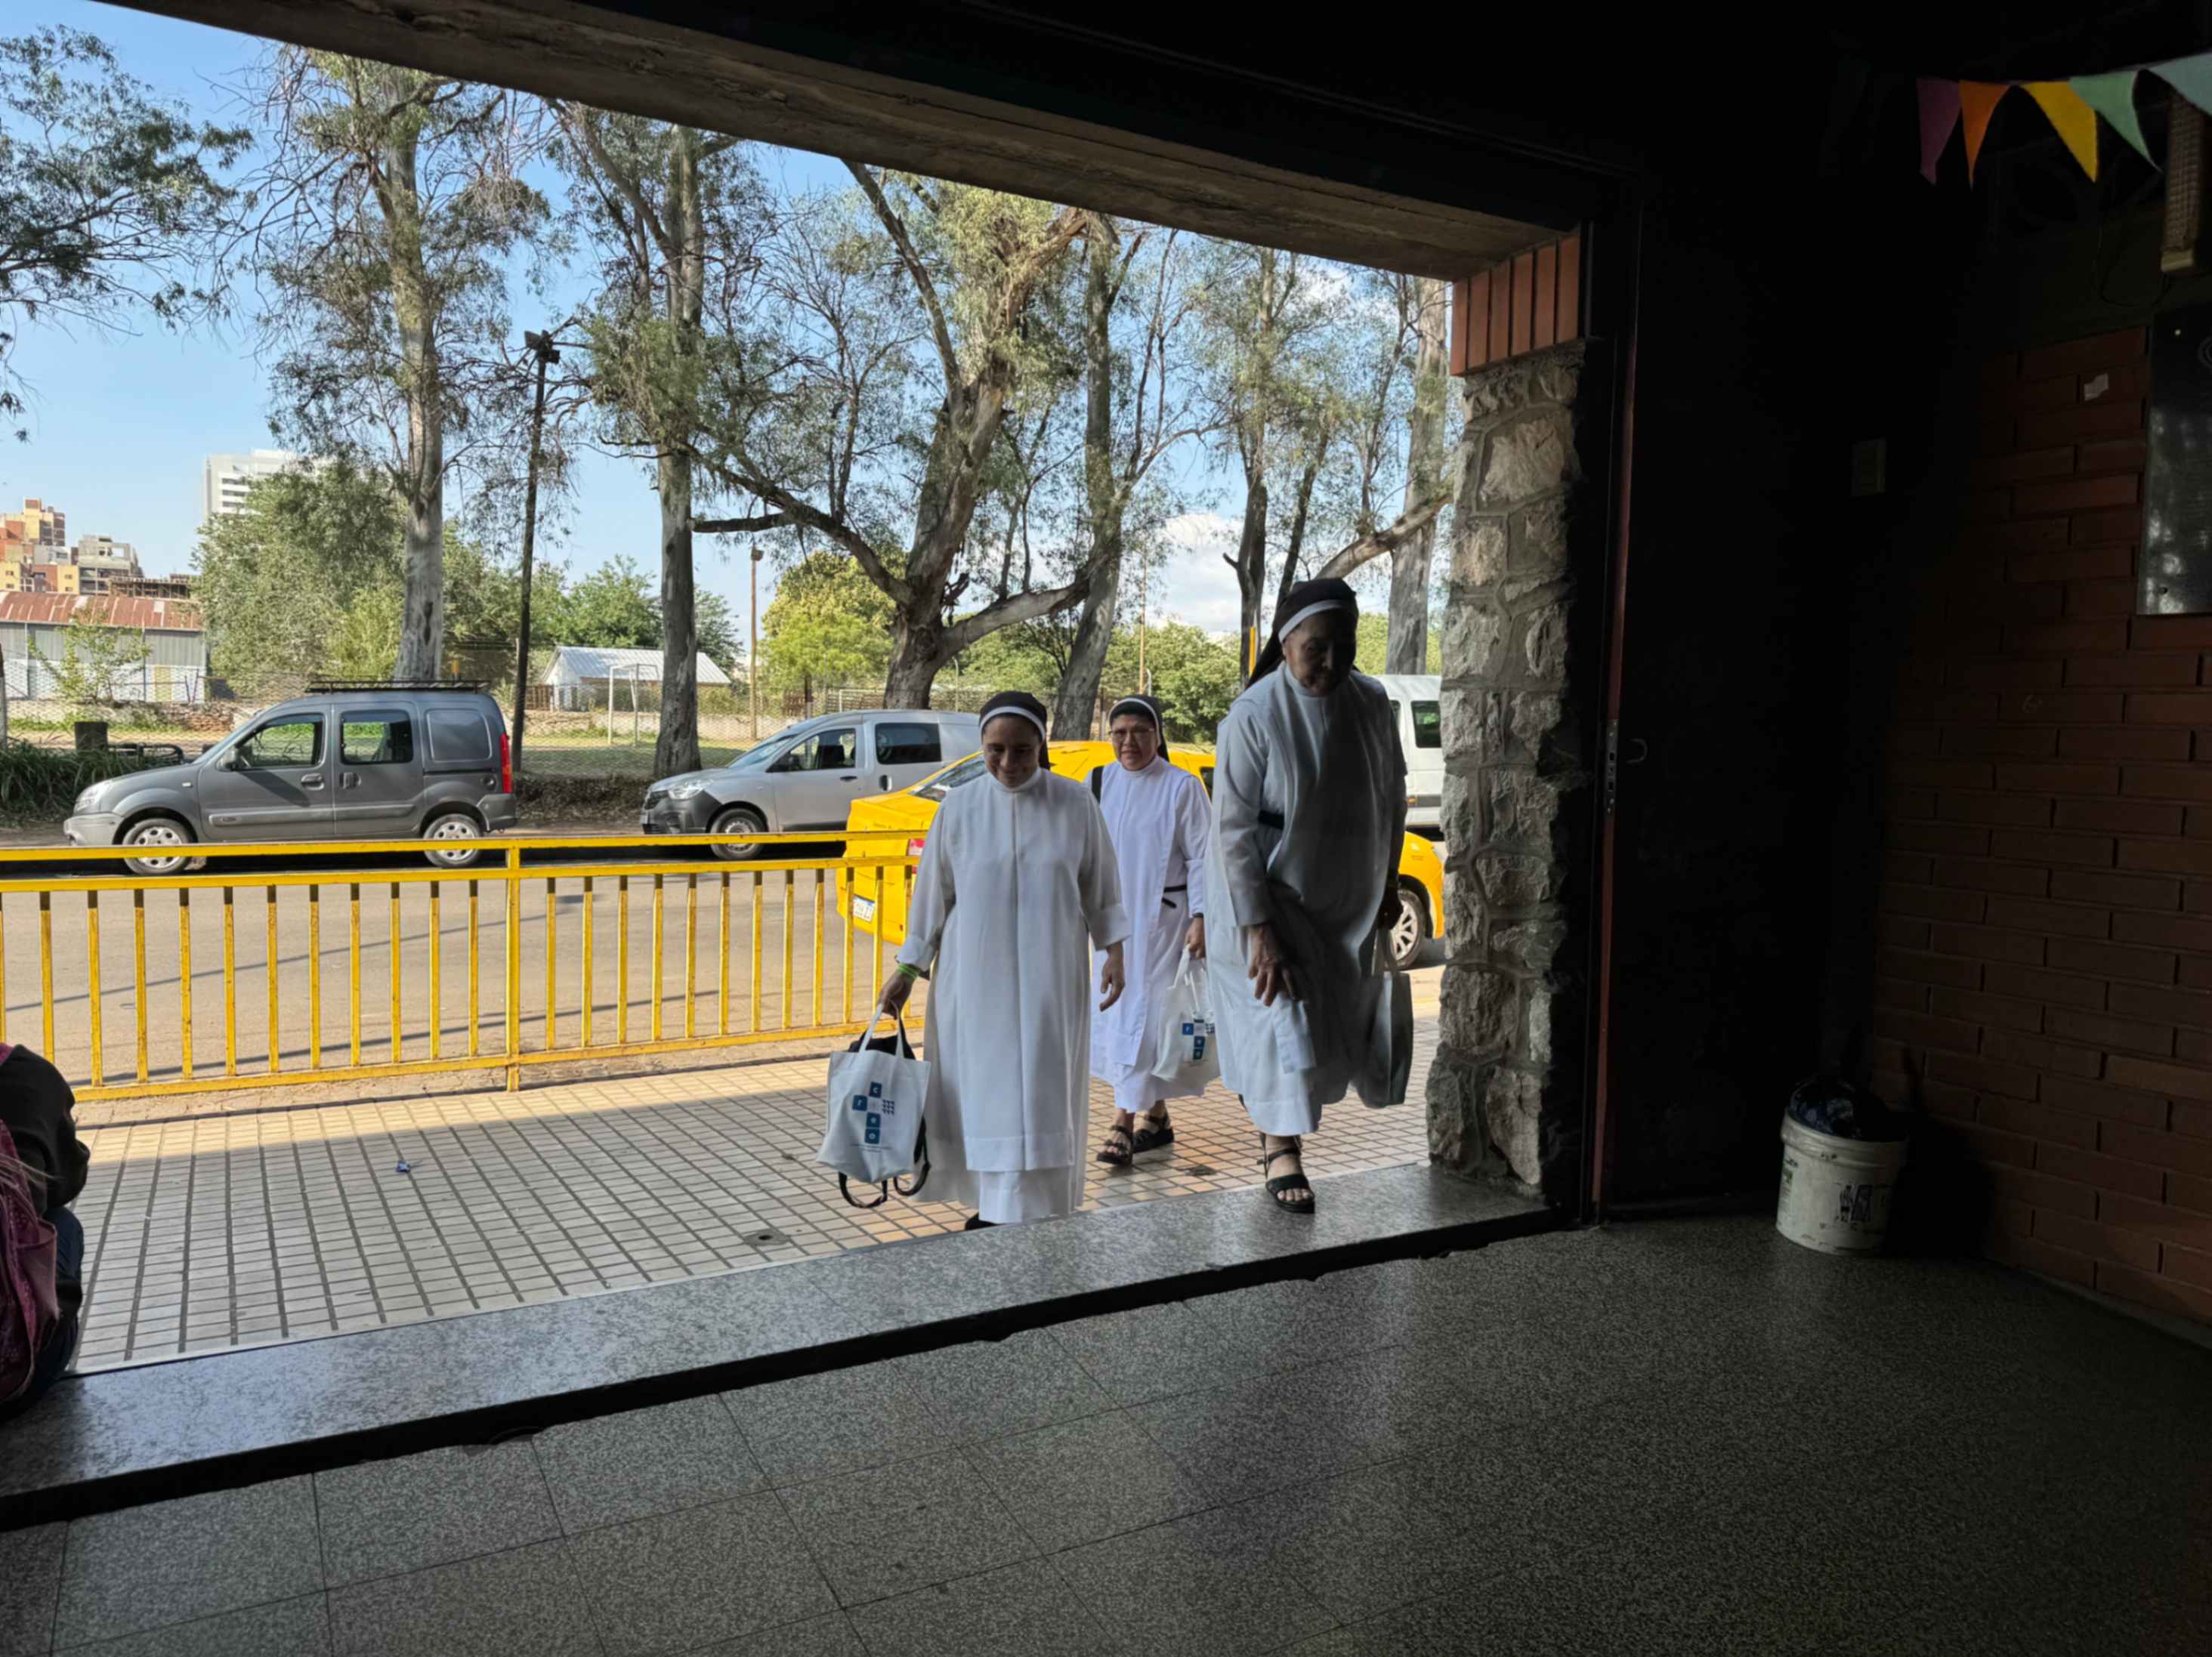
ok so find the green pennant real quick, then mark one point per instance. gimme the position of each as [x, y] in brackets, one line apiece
[2189, 76]
[2113, 97]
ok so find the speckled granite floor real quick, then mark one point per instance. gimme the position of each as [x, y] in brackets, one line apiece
[1674, 1436]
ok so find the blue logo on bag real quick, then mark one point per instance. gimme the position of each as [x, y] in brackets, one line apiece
[889, 1107]
[875, 1130]
[860, 1101]
[875, 1090]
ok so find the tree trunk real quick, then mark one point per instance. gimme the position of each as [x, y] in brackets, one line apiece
[915, 663]
[1071, 711]
[677, 749]
[1251, 565]
[1094, 635]
[1411, 560]
[422, 590]
[953, 478]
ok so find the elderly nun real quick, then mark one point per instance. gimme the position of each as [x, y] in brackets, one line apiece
[1159, 819]
[1017, 886]
[1309, 817]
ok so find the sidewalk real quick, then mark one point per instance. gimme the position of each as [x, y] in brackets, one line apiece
[1682, 1437]
[286, 1224]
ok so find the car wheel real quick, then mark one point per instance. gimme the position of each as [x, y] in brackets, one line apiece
[1409, 931]
[445, 830]
[156, 833]
[737, 820]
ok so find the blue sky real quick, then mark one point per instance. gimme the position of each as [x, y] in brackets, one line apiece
[121, 423]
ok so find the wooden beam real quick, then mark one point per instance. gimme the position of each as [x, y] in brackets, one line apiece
[702, 78]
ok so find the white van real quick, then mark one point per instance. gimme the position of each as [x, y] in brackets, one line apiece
[1416, 699]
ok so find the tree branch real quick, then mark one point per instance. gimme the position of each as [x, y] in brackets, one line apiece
[915, 268]
[1409, 523]
[739, 525]
[579, 127]
[1010, 612]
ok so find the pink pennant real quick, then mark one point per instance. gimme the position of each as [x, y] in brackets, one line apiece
[1939, 113]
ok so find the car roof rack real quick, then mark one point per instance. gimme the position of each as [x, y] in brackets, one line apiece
[314, 685]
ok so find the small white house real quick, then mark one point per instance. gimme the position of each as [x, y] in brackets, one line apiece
[581, 676]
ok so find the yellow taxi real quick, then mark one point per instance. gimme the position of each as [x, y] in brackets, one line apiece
[881, 825]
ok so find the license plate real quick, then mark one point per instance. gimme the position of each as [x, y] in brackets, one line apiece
[864, 909]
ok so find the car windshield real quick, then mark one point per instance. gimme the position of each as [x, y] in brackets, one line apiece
[945, 781]
[759, 757]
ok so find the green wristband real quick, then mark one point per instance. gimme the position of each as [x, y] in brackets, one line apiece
[913, 973]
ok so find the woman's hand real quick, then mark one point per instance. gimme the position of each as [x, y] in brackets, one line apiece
[1267, 967]
[896, 991]
[1193, 938]
[1110, 977]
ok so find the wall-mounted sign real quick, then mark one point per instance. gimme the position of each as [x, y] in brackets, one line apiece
[2174, 572]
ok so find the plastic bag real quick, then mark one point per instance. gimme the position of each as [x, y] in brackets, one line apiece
[877, 1091]
[1183, 1045]
[1829, 1104]
[1389, 1068]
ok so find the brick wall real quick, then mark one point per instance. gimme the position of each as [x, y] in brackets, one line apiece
[2046, 919]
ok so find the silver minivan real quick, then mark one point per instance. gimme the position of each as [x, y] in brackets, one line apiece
[348, 763]
[803, 778]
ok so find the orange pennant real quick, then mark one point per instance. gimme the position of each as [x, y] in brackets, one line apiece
[1977, 101]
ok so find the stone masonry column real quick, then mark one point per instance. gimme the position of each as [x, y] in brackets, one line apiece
[1521, 710]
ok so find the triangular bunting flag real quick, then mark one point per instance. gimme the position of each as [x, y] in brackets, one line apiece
[2070, 118]
[1939, 113]
[1977, 101]
[2113, 97]
[2189, 76]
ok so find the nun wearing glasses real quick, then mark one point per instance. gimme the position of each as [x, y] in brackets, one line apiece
[1159, 819]
[1309, 819]
[1017, 888]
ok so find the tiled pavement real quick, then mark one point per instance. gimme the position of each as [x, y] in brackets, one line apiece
[278, 1224]
[1677, 1437]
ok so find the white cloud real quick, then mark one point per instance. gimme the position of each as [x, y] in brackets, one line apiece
[1195, 585]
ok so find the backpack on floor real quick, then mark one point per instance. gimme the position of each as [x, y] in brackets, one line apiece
[30, 1304]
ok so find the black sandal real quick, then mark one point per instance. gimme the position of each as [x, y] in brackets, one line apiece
[1152, 1132]
[1286, 1182]
[977, 1222]
[1119, 1156]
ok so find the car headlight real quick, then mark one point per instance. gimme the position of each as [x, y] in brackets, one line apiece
[685, 790]
[85, 801]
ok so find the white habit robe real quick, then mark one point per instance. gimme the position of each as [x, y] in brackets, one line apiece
[1159, 821]
[1016, 886]
[1308, 822]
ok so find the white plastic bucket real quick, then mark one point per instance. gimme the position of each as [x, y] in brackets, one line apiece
[1835, 1192]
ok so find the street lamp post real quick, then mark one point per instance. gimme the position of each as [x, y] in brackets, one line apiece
[541, 347]
[752, 662]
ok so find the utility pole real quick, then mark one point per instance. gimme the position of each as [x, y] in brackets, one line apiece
[752, 662]
[1144, 679]
[541, 347]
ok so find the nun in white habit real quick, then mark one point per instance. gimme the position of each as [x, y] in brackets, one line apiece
[1309, 819]
[1159, 819]
[1017, 886]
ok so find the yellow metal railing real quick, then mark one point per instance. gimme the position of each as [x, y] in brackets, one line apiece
[749, 996]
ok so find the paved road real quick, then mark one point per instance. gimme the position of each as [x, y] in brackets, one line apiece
[330, 922]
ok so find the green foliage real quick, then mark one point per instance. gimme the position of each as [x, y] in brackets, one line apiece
[1194, 677]
[305, 579]
[827, 625]
[109, 200]
[1375, 641]
[39, 785]
[613, 608]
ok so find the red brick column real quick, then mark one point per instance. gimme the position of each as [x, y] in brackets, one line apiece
[2045, 921]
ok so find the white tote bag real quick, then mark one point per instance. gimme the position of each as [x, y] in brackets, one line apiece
[878, 1090]
[1183, 1047]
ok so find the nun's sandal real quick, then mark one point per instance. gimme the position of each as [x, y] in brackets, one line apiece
[1120, 1150]
[1289, 1192]
[1153, 1133]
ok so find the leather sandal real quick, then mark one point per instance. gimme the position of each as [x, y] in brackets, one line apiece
[1153, 1133]
[1119, 1150]
[1285, 1185]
